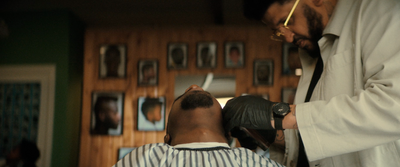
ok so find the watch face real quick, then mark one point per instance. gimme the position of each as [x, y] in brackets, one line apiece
[281, 108]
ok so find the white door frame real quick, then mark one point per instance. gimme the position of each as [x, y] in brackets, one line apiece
[45, 75]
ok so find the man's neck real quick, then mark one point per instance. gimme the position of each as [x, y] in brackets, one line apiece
[203, 145]
[198, 135]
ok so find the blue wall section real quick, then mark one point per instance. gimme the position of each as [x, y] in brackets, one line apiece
[52, 37]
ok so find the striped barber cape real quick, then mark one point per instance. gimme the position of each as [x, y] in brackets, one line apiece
[164, 155]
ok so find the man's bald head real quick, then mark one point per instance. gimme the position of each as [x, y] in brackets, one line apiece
[195, 110]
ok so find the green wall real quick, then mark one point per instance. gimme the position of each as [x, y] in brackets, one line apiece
[52, 37]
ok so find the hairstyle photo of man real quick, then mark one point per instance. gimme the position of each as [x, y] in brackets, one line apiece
[148, 72]
[205, 57]
[234, 54]
[206, 54]
[177, 56]
[151, 113]
[112, 61]
[107, 114]
[151, 109]
[263, 72]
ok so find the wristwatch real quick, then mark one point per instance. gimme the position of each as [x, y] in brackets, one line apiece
[279, 111]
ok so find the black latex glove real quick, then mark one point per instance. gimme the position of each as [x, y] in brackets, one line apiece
[251, 112]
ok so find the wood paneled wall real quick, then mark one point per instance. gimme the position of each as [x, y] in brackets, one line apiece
[151, 43]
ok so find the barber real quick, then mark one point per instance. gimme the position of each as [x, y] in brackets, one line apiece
[347, 104]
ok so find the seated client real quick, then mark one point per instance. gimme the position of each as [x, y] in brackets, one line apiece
[195, 137]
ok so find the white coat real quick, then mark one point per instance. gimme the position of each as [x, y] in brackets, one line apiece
[353, 119]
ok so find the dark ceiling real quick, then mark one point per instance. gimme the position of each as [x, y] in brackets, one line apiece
[100, 13]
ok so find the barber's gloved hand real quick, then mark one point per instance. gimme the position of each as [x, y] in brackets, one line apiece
[252, 112]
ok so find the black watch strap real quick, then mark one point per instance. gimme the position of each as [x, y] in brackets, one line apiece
[278, 123]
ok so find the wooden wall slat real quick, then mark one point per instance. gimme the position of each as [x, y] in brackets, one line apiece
[151, 43]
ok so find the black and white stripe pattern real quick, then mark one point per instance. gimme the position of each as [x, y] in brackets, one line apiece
[164, 155]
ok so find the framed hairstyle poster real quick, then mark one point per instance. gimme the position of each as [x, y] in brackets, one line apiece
[112, 62]
[234, 54]
[151, 114]
[206, 55]
[107, 113]
[147, 72]
[177, 55]
[263, 72]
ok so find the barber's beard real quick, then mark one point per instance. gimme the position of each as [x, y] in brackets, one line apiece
[315, 28]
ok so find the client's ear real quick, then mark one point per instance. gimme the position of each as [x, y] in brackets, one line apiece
[167, 139]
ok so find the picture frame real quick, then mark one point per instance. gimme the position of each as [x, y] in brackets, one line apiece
[291, 64]
[234, 54]
[288, 94]
[112, 61]
[107, 113]
[151, 114]
[263, 72]
[147, 72]
[206, 55]
[123, 151]
[177, 55]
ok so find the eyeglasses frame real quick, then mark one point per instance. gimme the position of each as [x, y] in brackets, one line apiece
[278, 33]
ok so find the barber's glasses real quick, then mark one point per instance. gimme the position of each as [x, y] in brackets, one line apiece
[279, 34]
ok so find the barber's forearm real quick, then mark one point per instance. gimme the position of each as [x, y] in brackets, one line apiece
[289, 121]
[280, 139]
